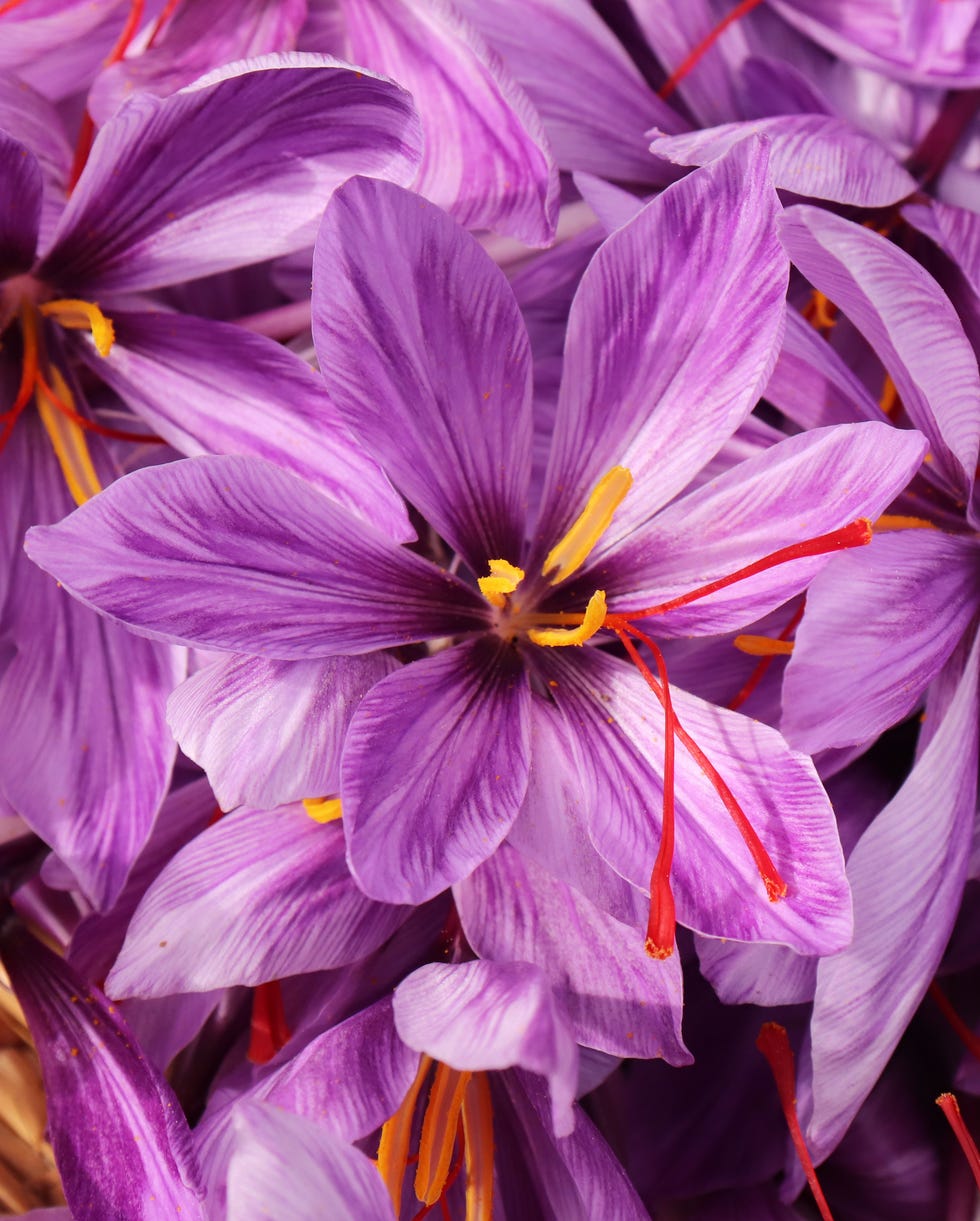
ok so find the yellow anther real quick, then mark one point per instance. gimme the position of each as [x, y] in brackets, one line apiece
[763, 646]
[556, 637]
[504, 578]
[80, 315]
[571, 552]
[395, 1137]
[439, 1132]
[322, 809]
[67, 438]
[895, 521]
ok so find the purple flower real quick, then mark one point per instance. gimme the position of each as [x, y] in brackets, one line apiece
[427, 359]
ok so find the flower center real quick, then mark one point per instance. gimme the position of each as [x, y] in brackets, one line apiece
[457, 1134]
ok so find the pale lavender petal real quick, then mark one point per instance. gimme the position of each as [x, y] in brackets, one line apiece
[197, 37]
[756, 974]
[212, 388]
[879, 625]
[955, 230]
[237, 555]
[486, 158]
[286, 1166]
[476, 1016]
[805, 486]
[31, 33]
[810, 154]
[120, 1138]
[423, 349]
[616, 997]
[164, 1026]
[717, 888]
[683, 305]
[258, 896]
[435, 769]
[811, 383]
[907, 874]
[181, 187]
[267, 732]
[910, 323]
[595, 105]
[20, 206]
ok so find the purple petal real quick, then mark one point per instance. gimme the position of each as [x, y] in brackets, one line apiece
[20, 206]
[34, 121]
[180, 187]
[486, 157]
[197, 37]
[756, 974]
[120, 1138]
[907, 874]
[258, 896]
[616, 732]
[910, 323]
[810, 154]
[286, 1166]
[878, 627]
[955, 230]
[616, 997]
[424, 351]
[683, 305]
[435, 769]
[267, 732]
[476, 1016]
[211, 388]
[237, 555]
[805, 486]
[595, 105]
[33, 33]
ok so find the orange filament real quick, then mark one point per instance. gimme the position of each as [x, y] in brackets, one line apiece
[763, 646]
[966, 1036]
[951, 1109]
[395, 1137]
[706, 43]
[888, 401]
[270, 1033]
[662, 922]
[68, 440]
[439, 1128]
[86, 132]
[759, 672]
[891, 521]
[855, 534]
[820, 312]
[478, 1141]
[774, 1045]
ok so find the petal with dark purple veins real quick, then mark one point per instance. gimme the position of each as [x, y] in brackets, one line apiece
[120, 1138]
[237, 555]
[258, 896]
[423, 349]
[682, 305]
[617, 998]
[20, 206]
[267, 732]
[476, 1016]
[181, 187]
[435, 769]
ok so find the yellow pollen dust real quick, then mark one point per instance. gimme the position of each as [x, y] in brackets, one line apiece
[571, 552]
[556, 637]
[504, 578]
[78, 315]
[322, 809]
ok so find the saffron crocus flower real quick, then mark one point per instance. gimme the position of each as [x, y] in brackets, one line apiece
[429, 336]
[143, 214]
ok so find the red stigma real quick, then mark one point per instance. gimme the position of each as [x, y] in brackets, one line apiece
[951, 1109]
[700, 49]
[269, 1031]
[773, 1042]
[966, 1036]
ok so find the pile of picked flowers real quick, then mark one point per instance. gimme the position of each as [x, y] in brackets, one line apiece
[489, 610]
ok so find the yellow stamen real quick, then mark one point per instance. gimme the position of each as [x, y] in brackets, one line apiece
[763, 646]
[592, 620]
[68, 440]
[395, 1137]
[568, 555]
[322, 809]
[895, 521]
[504, 578]
[439, 1132]
[888, 400]
[478, 1135]
[820, 312]
[83, 316]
